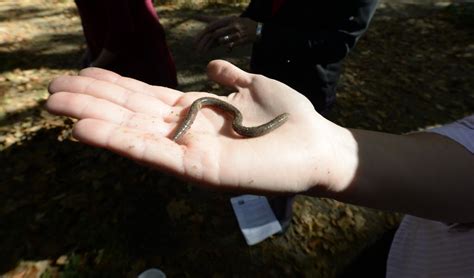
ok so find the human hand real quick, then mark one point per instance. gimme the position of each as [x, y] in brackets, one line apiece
[229, 31]
[137, 120]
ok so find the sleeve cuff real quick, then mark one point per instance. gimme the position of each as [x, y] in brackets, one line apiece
[461, 131]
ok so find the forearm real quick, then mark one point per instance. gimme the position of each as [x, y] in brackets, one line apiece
[423, 174]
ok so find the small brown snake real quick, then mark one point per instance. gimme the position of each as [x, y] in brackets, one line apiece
[236, 123]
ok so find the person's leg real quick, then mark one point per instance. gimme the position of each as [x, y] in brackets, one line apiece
[372, 262]
[149, 58]
[283, 209]
[152, 273]
[93, 26]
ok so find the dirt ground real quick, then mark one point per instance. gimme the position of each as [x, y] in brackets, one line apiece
[69, 210]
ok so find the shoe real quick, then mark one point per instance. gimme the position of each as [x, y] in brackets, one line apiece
[152, 273]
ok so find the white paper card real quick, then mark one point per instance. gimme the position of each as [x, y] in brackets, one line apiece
[256, 218]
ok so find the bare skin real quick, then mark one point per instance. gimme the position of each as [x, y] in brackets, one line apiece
[229, 32]
[138, 121]
[422, 174]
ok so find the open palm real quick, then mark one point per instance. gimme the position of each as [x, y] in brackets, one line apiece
[137, 120]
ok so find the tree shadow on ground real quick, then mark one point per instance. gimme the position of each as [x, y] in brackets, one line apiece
[59, 51]
[20, 13]
[69, 198]
[32, 12]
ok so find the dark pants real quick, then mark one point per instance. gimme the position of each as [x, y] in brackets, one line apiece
[372, 262]
[283, 209]
[317, 82]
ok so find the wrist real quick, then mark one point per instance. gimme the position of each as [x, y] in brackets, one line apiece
[337, 160]
[345, 159]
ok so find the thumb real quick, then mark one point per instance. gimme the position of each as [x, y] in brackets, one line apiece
[227, 74]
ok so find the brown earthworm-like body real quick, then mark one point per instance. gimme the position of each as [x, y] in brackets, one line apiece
[236, 123]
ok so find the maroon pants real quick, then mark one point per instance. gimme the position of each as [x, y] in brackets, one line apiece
[132, 31]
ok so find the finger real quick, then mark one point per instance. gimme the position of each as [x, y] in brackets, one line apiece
[151, 149]
[235, 43]
[218, 24]
[86, 107]
[210, 43]
[207, 37]
[205, 18]
[82, 106]
[167, 95]
[225, 40]
[119, 95]
[227, 31]
[210, 28]
[230, 46]
[205, 43]
[227, 74]
[199, 40]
